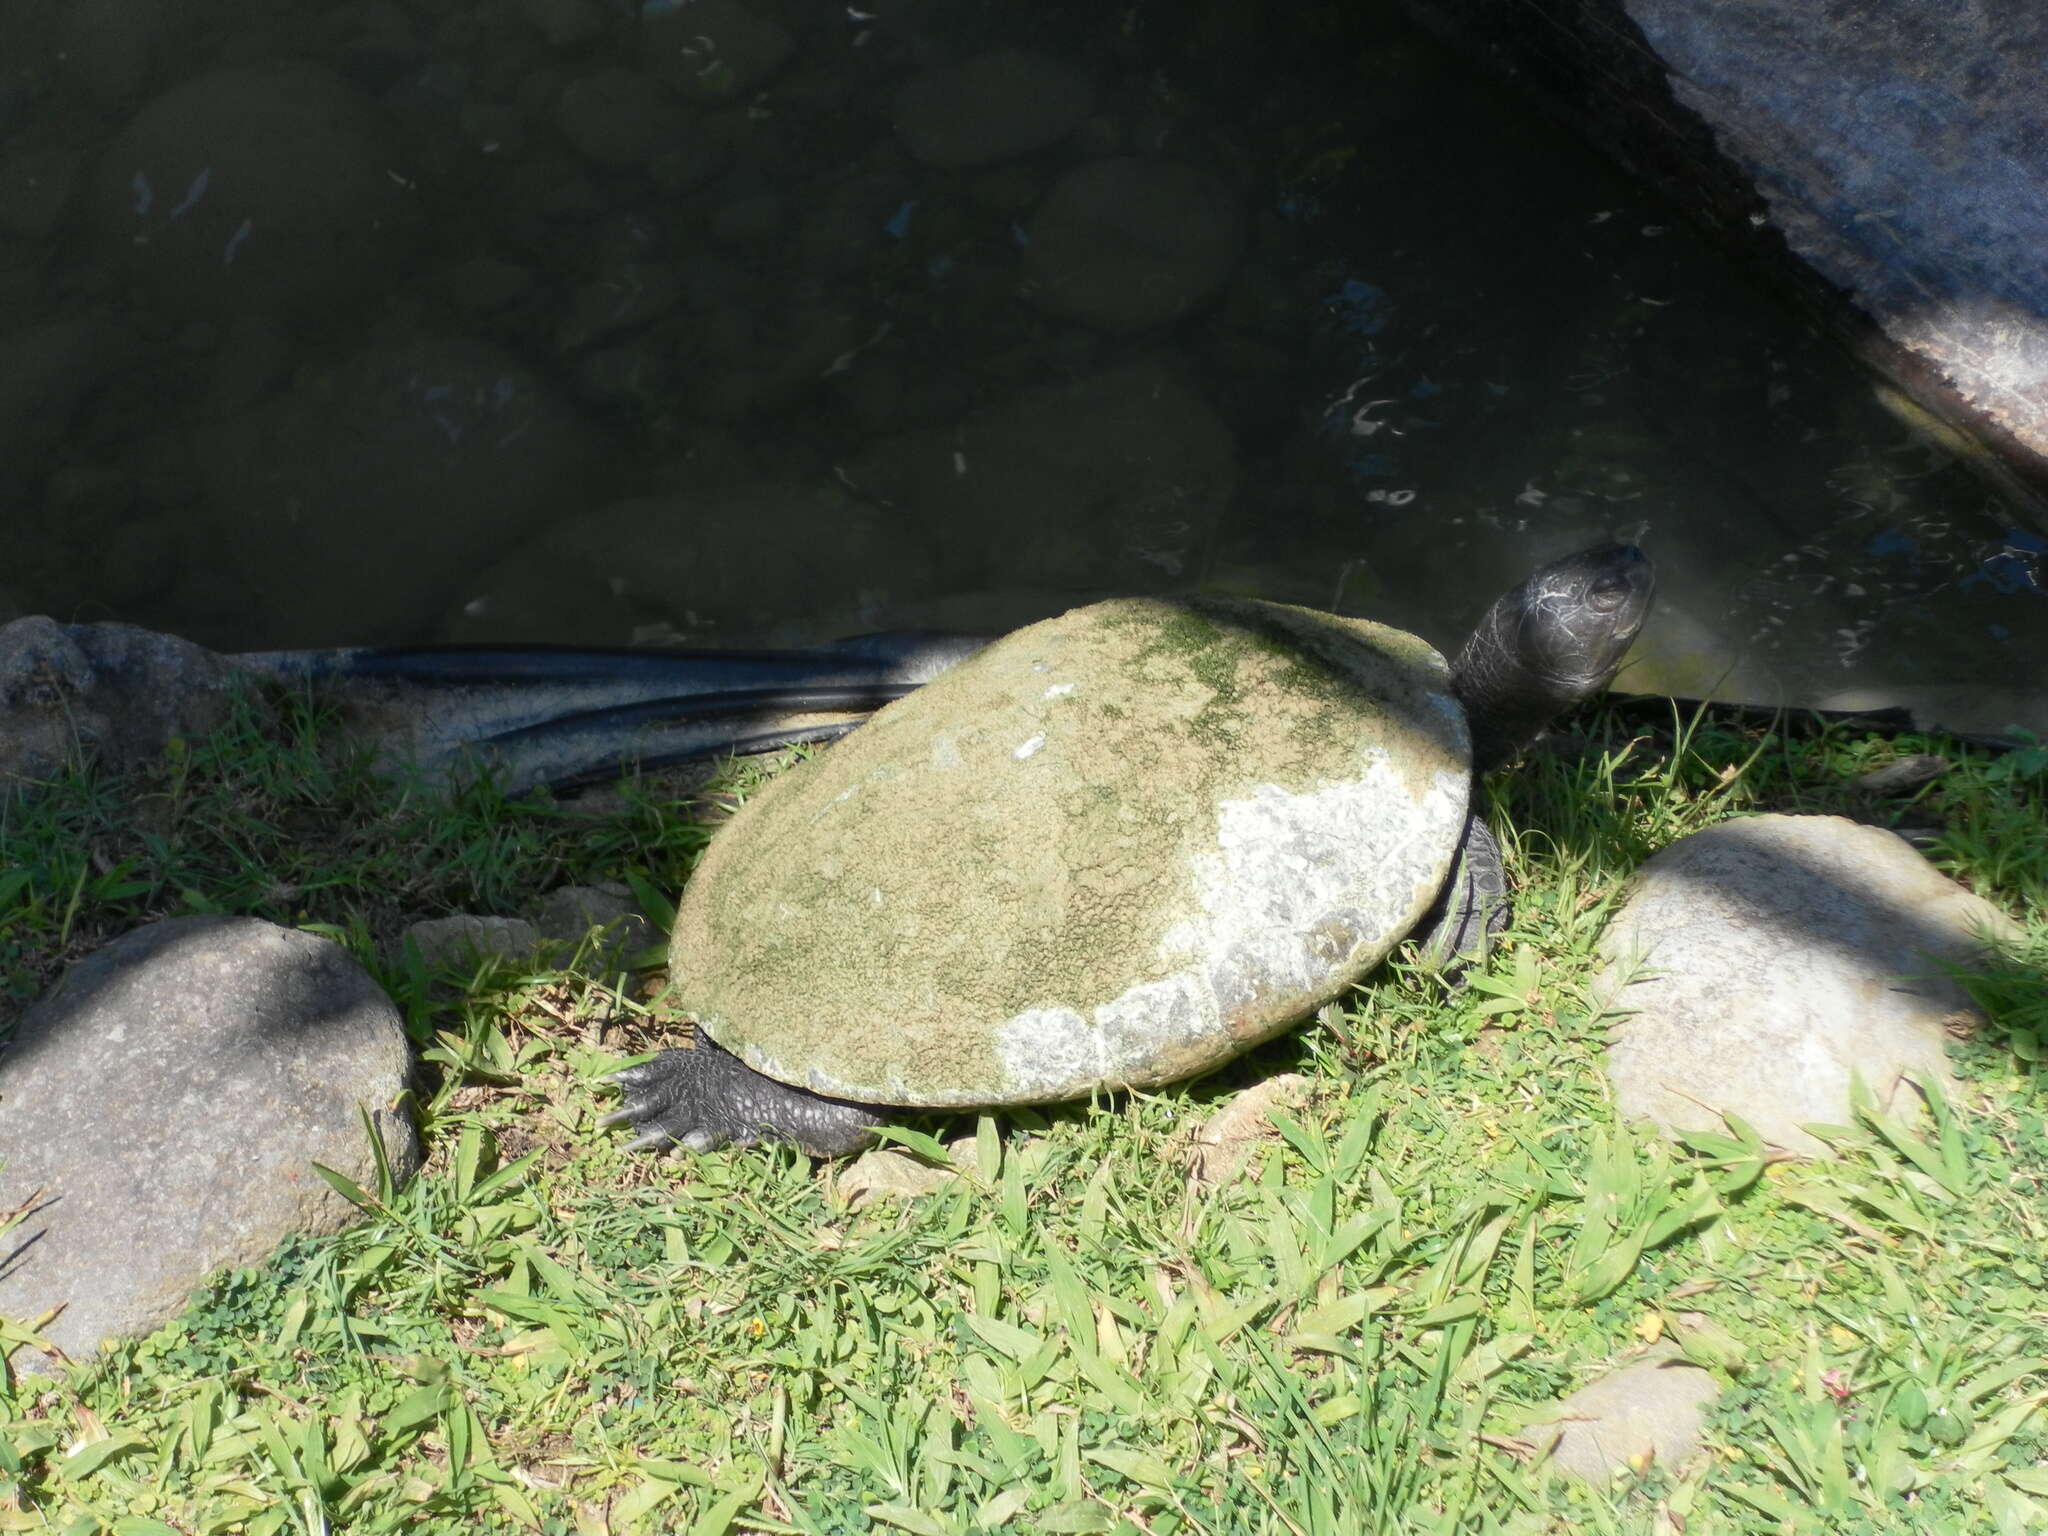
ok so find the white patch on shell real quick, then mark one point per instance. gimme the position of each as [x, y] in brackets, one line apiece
[1301, 893]
[1058, 1045]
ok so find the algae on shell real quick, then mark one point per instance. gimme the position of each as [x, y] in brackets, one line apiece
[1113, 849]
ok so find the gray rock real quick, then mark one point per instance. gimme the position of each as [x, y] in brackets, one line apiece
[885, 1174]
[461, 941]
[1904, 774]
[1772, 958]
[554, 930]
[1646, 1411]
[167, 1098]
[566, 917]
[1129, 244]
[109, 691]
[1220, 1147]
[991, 107]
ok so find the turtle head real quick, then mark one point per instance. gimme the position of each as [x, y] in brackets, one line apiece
[1552, 643]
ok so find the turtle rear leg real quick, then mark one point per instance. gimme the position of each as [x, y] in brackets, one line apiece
[706, 1097]
[1472, 909]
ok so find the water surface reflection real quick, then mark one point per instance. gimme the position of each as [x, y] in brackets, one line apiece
[710, 322]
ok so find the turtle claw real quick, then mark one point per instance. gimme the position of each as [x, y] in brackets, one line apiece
[704, 1098]
[665, 1141]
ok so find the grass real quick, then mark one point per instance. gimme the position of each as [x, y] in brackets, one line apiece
[1446, 1231]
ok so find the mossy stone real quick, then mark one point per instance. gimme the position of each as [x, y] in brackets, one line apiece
[1113, 849]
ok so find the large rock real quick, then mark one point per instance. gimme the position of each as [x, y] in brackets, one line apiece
[1113, 849]
[1762, 962]
[110, 692]
[167, 1099]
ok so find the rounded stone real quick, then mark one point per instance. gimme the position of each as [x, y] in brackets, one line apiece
[1760, 965]
[1111, 850]
[164, 1105]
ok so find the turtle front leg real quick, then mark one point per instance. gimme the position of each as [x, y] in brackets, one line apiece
[1471, 910]
[706, 1097]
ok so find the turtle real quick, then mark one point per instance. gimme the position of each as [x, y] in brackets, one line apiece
[1110, 850]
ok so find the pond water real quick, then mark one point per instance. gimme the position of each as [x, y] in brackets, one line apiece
[757, 322]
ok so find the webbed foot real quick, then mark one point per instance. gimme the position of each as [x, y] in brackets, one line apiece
[1472, 910]
[705, 1097]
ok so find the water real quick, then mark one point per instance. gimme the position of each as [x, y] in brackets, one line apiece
[723, 323]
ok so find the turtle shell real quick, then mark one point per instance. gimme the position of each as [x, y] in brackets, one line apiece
[1112, 849]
